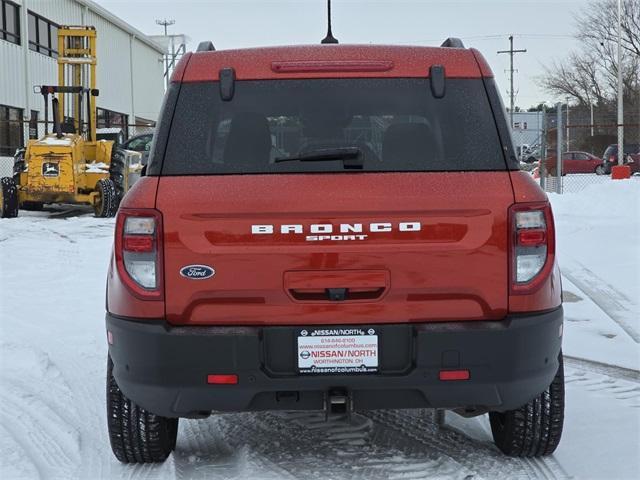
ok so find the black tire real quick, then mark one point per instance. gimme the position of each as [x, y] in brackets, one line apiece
[8, 198]
[600, 170]
[535, 429]
[117, 172]
[32, 206]
[136, 435]
[107, 203]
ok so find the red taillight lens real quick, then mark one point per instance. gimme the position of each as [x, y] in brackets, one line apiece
[532, 245]
[138, 251]
[138, 243]
[532, 237]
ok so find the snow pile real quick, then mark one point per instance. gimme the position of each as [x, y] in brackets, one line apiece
[598, 239]
[99, 167]
[600, 227]
[55, 141]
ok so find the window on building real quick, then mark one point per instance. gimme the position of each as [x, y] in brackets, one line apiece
[9, 22]
[33, 124]
[111, 119]
[43, 35]
[11, 132]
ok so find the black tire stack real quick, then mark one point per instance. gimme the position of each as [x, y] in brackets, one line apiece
[118, 172]
[136, 435]
[112, 189]
[108, 202]
[9, 202]
[533, 430]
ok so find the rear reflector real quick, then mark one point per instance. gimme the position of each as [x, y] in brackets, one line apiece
[447, 375]
[222, 379]
[109, 337]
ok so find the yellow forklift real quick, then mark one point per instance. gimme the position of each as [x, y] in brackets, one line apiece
[69, 165]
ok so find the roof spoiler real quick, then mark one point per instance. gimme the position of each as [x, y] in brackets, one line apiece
[205, 47]
[452, 42]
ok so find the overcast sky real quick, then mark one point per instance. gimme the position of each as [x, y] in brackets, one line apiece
[543, 27]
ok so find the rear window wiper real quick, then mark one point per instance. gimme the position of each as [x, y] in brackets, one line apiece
[351, 156]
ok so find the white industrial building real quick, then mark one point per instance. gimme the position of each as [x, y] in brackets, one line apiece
[130, 70]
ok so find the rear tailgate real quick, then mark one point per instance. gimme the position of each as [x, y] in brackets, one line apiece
[359, 248]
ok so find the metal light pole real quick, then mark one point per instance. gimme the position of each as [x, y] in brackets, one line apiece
[559, 148]
[620, 90]
[568, 147]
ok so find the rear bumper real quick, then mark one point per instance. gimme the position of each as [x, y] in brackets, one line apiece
[164, 368]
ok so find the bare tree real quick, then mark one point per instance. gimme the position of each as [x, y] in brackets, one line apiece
[589, 75]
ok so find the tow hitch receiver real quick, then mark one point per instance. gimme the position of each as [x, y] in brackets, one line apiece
[338, 402]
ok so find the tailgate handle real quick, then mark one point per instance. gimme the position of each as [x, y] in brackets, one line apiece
[336, 285]
[335, 294]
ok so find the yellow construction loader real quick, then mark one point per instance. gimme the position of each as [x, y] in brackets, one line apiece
[69, 165]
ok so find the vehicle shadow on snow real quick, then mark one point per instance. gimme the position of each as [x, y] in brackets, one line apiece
[375, 444]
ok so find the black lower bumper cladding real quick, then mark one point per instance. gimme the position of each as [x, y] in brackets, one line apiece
[164, 368]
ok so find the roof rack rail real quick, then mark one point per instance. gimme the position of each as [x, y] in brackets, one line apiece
[205, 47]
[452, 42]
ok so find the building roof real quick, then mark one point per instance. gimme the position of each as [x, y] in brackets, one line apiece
[106, 14]
[343, 61]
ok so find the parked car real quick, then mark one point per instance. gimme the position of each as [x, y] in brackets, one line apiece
[391, 255]
[632, 157]
[575, 162]
[141, 144]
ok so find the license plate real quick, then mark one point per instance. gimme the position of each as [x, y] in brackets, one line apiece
[339, 350]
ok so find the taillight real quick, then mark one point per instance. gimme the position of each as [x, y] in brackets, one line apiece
[138, 250]
[532, 245]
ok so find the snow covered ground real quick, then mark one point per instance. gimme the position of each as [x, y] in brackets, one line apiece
[53, 350]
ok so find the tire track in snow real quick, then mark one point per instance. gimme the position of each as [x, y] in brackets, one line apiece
[611, 301]
[370, 450]
[482, 458]
[25, 445]
[223, 445]
[627, 392]
[603, 368]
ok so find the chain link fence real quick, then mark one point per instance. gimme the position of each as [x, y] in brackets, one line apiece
[15, 135]
[584, 137]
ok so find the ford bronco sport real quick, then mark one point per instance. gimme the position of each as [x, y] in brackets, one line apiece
[333, 228]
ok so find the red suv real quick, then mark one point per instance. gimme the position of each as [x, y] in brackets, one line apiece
[333, 228]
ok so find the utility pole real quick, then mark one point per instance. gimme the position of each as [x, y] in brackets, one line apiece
[620, 90]
[511, 53]
[166, 23]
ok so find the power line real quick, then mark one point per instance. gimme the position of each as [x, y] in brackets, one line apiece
[511, 53]
[538, 36]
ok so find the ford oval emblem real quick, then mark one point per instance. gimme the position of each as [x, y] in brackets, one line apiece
[197, 272]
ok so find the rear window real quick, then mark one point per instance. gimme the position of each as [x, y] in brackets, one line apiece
[394, 125]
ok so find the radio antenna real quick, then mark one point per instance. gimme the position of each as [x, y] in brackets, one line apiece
[329, 38]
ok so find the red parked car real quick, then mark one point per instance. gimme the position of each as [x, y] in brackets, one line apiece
[576, 162]
[333, 228]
